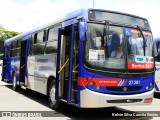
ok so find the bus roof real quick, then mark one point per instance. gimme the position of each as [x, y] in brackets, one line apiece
[68, 16]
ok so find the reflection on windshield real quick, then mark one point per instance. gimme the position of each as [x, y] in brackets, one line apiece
[102, 52]
[140, 51]
[136, 44]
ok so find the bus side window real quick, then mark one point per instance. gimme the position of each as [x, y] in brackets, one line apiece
[39, 43]
[8, 50]
[18, 48]
[13, 47]
[52, 42]
[158, 52]
[31, 44]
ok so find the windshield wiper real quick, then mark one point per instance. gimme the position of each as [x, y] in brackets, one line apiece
[144, 42]
[106, 30]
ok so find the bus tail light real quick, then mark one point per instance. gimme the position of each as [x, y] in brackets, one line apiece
[148, 100]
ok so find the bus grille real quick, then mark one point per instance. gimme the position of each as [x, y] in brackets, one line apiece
[124, 101]
[127, 88]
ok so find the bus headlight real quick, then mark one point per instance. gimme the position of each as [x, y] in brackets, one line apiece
[147, 87]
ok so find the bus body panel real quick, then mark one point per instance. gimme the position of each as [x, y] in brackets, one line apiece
[15, 68]
[8, 74]
[40, 68]
[112, 84]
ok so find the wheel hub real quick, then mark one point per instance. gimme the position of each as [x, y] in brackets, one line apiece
[52, 94]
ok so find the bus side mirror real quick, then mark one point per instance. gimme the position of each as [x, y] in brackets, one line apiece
[82, 31]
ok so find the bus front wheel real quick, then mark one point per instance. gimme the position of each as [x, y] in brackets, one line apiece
[55, 104]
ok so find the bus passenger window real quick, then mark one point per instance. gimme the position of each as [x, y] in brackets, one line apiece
[31, 44]
[52, 42]
[18, 48]
[51, 47]
[39, 44]
[40, 37]
[13, 49]
[158, 48]
[14, 44]
[19, 43]
[158, 53]
[8, 50]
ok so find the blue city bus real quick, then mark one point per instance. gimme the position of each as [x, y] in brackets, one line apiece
[90, 58]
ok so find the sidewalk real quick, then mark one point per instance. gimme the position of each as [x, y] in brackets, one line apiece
[4, 83]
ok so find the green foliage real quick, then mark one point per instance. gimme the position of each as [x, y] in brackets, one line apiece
[5, 34]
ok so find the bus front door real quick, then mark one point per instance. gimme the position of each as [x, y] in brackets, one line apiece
[6, 65]
[23, 63]
[67, 64]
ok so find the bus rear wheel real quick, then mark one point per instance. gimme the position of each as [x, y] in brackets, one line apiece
[14, 82]
[55, 104]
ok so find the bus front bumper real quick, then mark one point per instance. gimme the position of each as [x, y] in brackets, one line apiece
[91, 99]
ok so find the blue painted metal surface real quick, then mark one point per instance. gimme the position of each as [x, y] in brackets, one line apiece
[70, 65]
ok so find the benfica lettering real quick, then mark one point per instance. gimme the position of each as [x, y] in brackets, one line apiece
[133, 65]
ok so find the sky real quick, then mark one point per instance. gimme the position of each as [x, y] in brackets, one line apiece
[21, 15]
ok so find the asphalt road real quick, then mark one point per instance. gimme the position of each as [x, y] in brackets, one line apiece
[27, 100]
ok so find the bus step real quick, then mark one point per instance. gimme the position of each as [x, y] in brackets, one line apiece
[74, 104]
[73, 101]
[24, 87]
[70, 103]
[75, 71]
[74, 90]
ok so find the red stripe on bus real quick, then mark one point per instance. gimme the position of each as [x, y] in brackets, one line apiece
[124, 83]
[84, 81]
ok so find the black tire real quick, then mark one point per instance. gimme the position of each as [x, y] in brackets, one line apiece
[15, 87]
[54, 104]
[2, 79]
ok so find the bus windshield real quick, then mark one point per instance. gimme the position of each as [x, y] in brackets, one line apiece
[108, 49]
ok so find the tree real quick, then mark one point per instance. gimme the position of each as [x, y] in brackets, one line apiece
[5, 34]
